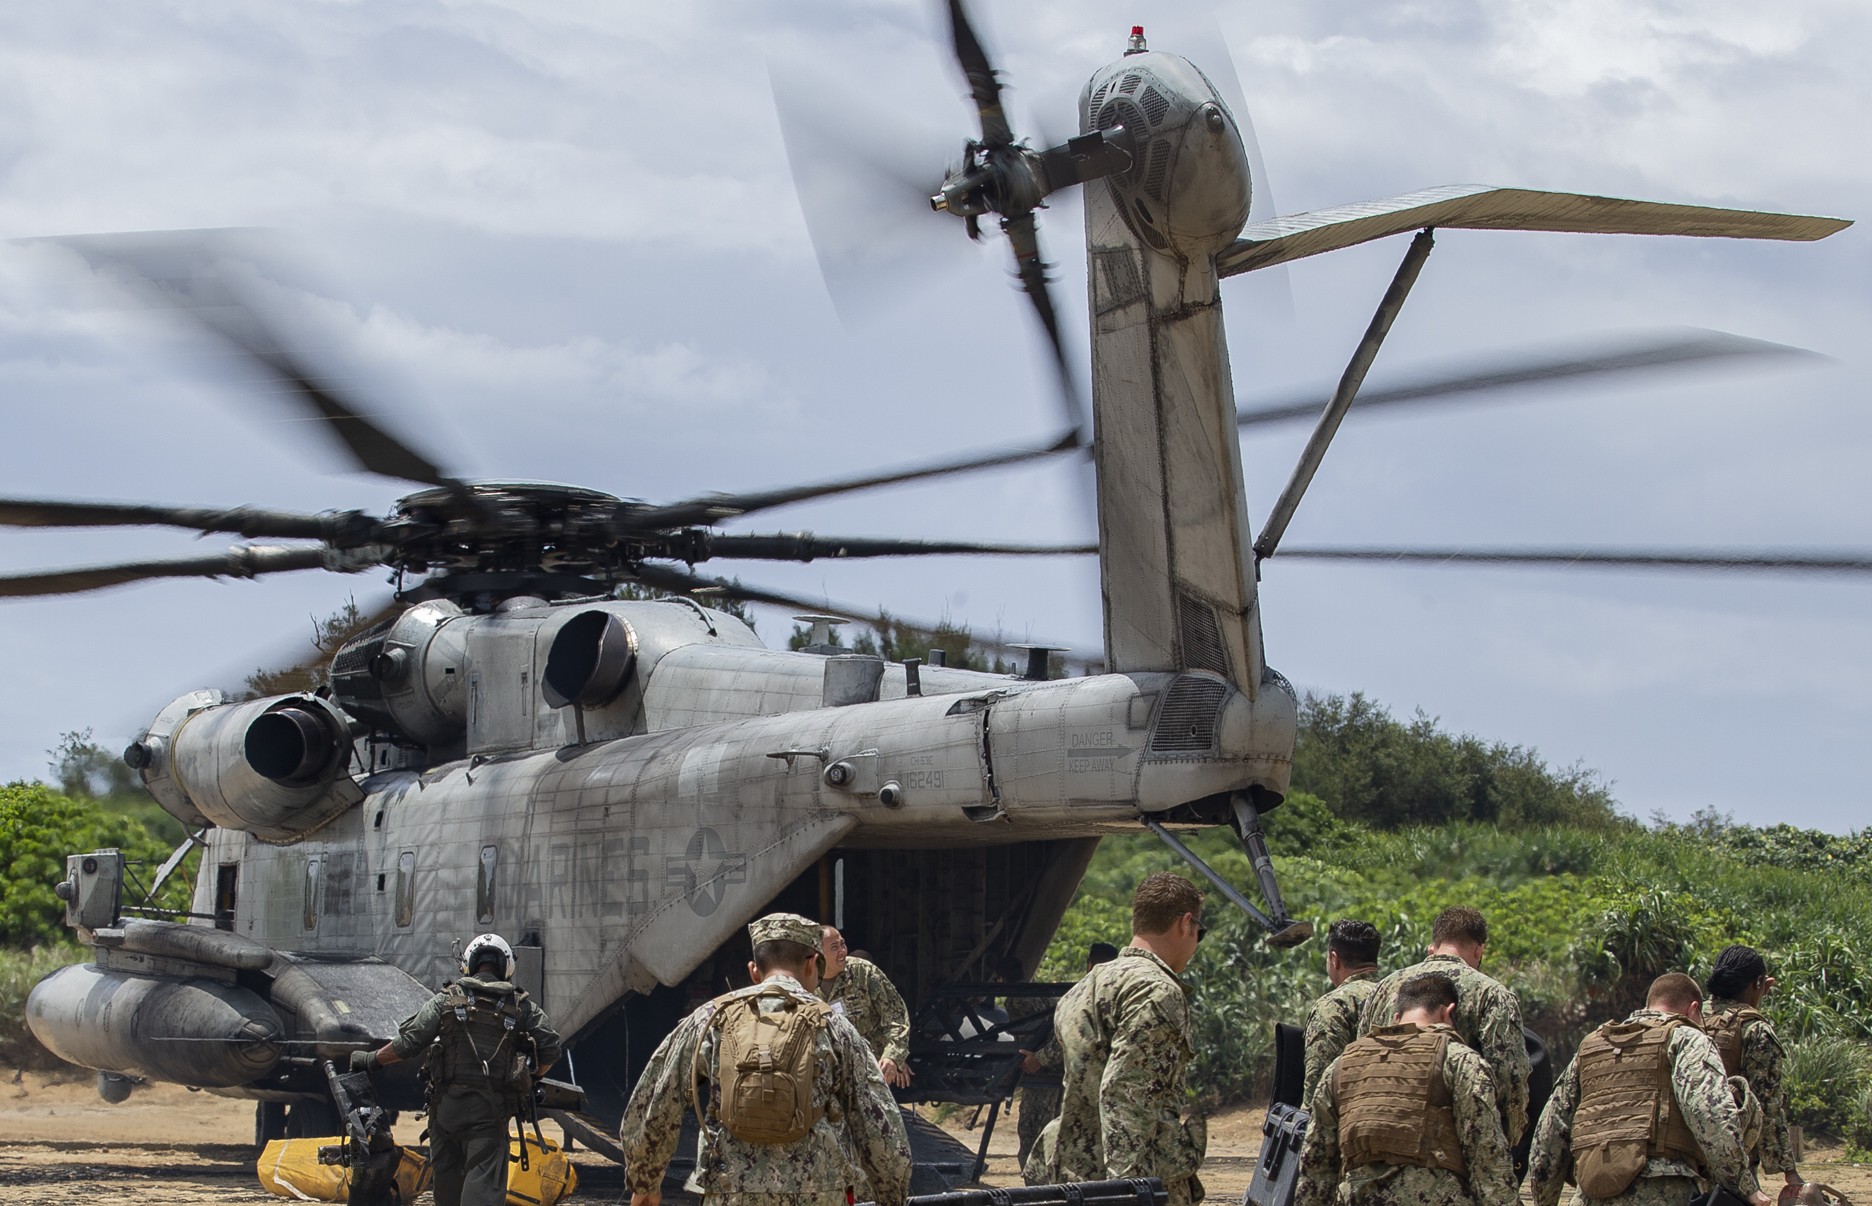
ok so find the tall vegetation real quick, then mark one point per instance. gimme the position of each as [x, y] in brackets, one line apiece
[1585, 906]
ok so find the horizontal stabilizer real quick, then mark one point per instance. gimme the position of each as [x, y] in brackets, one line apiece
[1486, 207]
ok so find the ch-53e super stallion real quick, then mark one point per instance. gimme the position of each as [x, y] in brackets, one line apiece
[618, 785]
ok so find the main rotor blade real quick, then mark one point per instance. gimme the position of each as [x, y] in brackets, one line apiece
[251, 522]
[1601, 359]
[805, 546]
[245, 561]
[1024, 237]
[180, 269]
[984, 88]
[1740, 560]
[679, 581]
[716, 508]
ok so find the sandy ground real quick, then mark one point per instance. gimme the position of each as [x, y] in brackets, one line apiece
[60, 1143]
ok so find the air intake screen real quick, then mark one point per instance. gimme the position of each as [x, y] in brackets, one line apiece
[1201, 636]
[1187, 723]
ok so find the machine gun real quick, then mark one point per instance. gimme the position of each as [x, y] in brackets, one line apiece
[1137, 1191]
[368, 1148]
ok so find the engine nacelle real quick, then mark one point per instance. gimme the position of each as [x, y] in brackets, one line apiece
[1188, 186]
[409, 677]
[276, 768]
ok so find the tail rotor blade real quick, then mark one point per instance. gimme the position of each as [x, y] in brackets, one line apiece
[1024, 238]
[984, 87]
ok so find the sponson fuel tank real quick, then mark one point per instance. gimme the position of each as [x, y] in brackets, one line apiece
[196, 1032]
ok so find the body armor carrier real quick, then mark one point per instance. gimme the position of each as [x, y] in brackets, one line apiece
[481, 1045]
[1628, 1112]
[1394, 1105]
[1725, 1030]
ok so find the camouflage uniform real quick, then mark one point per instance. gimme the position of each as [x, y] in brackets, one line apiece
[1490, 1180]
[1761, 1067]
[858, 1122]
[1333, 1022]
[468, 1125]
[1488, 1017]
[1708, 1107]
[1039, 1104]
[865, 995]
[1124, 1032]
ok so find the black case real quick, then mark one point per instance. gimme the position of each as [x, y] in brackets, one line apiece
[1277, 1168]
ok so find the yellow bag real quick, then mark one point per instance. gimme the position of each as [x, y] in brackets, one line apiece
[548, 1177]
[289, 1168]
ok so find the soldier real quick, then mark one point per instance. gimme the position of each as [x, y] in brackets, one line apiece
[1488, 1015]
[1352, 966]
[1040, 1104]
[1407, 1115]
[794, 1092]
[860, 990]
[1750, 1049]
[1643, 1111]
[484, 1041]
[1124, 1032]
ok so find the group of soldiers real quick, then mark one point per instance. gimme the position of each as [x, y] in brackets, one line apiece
[796, 1070]
[1416, 1086]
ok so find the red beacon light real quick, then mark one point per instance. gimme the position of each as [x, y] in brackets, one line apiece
[1136, 44]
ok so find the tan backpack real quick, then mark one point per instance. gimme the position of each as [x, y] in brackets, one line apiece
[765, 1065]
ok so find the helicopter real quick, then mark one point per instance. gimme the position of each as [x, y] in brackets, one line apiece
[621, 784]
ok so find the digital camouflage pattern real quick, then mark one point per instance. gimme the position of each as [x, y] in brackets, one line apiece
[1488, 1017]
[861, 1122]
[1708, 1106]
[869, 1001]
[1124, 1034]
[1490, 1180]
[1039, 1104]
[1332, 1022]
[1761, 1067]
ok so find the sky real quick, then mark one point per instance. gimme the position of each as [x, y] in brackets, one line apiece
[562, 241]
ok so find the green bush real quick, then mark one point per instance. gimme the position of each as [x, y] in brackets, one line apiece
[19, 971]
[38, 828]
[1827, 1079]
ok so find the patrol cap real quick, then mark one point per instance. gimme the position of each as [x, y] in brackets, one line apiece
[785, 927]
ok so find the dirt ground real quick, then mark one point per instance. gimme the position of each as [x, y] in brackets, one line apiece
[61, 1143]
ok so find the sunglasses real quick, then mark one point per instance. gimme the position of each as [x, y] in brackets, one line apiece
[1202, 931]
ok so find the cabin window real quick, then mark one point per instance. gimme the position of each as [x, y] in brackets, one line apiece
[227, 880]
[484, 885]
[311, 893]
[339, 885]
[406, 888]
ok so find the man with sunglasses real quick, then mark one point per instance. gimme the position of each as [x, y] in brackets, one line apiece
[1124, 1033]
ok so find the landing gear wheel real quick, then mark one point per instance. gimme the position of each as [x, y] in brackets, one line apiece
[312, 1120]
[269, 1122]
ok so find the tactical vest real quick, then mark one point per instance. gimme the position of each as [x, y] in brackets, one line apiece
[1725, 1030]
[481, 1044]
[766, 1065]
[1394, 1105]
[1628, 1111]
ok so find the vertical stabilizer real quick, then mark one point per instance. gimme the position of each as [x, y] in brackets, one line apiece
[1175, 545]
